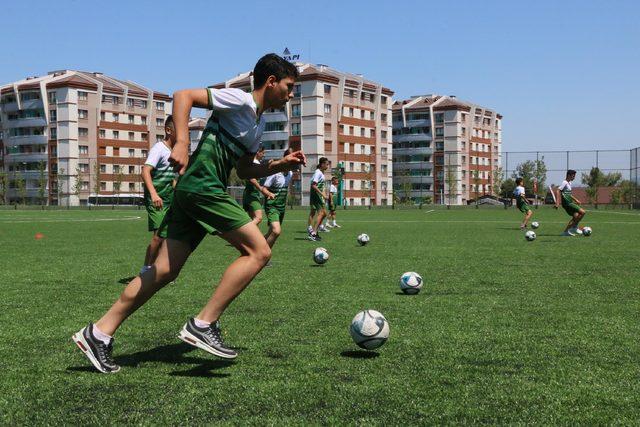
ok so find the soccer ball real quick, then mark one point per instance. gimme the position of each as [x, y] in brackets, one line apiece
[535, 224]
[363, 239]
[586, 231]
[410, 283]
[369, 329]
[320, 256]
[530, 236]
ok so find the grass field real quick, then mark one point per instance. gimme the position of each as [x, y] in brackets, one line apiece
[504, 331]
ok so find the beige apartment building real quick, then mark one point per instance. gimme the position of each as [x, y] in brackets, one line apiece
[444, 149]
[91, 132]
[337, 115]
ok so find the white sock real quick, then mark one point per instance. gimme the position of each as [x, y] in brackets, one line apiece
[334, 222]
[201, 323]
[309, 229]
[98, 334]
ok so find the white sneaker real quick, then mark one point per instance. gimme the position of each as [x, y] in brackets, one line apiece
[336, 225]
[329, 226]
[309, 229]
[323, 229]
[567, 233]
[576, 231]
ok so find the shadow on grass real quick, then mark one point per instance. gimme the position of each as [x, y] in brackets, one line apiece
[316, 265]
[87, 369]
[126, 280]
[302, 238]
[359, 354]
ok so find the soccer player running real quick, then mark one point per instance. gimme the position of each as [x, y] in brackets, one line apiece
[332, 202]
[278, 185]
[201, 206]
[254, 193]
[159, 179]
[522, 203]
[570, 204]
[316, 198]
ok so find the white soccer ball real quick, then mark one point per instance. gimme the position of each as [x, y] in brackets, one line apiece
[363, 239]
[530, 235]
[410, 283]
[586, 231]
[320, 256]
[535, 224]
[369, 329]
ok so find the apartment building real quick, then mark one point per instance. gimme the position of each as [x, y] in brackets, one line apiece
[444, 149]
[338, 115]
[87, 132]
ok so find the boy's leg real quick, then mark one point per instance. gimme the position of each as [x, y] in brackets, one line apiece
[256, 216]
[274, 232]
[153, 248]
[321, 214]
[172, 256]
[581, 214]
[312, 214]
[254, 254]
[527, 216]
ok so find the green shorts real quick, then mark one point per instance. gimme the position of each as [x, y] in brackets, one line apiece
[571, 208]
[274, 215]
[252, 203]
[156, 215]
[316, 201]
[524, 207]
[192, 216]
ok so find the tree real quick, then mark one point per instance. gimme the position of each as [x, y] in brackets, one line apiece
[117, 184]
[596, 179]
[60, 175]
[42, 181]
[234, 179]
[4, 187]
[452, 182]
[624, 193]
[368, 179]
[498, 179]
[21, 187]
[475, 176]
[528, 171]
[96, 181]
[78, 184]
[507, 187]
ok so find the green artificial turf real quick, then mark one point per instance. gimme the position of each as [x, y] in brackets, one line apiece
[504, 330]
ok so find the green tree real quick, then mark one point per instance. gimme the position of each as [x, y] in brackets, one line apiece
[475, 176]
[21, 187]
[117, 184]
[60, 186]
[77, 186]
[4, 187]
[234, 180]
[624, 193]
[507, 187]
[532, 169]
[452, 182]
[596, 179]
[42, 181]
[498, 179]
[96, 181]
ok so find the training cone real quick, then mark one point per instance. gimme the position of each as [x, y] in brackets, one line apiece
[39, 236]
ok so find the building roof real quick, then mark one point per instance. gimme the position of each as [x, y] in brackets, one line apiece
[438, 103]
[197, 123]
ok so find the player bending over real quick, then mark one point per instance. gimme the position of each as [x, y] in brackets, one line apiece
[522, 203]
[316, 198]
[201, 206]
[570, 204]
[159, 179]
[254, 193]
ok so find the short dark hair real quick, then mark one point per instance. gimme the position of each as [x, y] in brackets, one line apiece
[168, 122]
[519, 181]
[273, 65]
[571, 172]
[321, 161]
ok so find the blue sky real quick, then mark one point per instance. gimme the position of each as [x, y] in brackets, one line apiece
[564, 74]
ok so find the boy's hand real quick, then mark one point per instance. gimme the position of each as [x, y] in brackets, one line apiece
[296, 158]
[268, 194]
[179, 158]
[157, 201]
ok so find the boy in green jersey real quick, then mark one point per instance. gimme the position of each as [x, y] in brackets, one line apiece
[201, 206]
[274, 207]
[570, 204]
[159, 178]
[317, 200]
[522, 203]
[254, 193]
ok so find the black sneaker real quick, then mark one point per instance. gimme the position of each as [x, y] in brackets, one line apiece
[96, 351]
[209, 339]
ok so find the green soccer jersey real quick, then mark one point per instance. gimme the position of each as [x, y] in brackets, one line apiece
[234, 130]
[162, 174]
[565, 190]
[278, 184]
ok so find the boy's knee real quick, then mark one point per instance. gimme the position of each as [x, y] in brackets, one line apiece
[263, 253]
[157, 240]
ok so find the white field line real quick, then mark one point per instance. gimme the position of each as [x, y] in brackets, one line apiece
[617, 213]
[432, 210]
[35, 220]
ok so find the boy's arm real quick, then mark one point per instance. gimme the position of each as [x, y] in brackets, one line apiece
[183, 101]
[314, 187]
[247, 169]
[264, 190]
[148, 183]
[559, 195]
[575, 200]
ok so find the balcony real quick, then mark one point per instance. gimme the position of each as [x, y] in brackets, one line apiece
[427, 179]
[412, 165]
[273, 154]
[25, 157]
[12, 107]
[25, 123]
[275, 117]
[12, 141]
[412, 137]
[278, 135]
[411, 151]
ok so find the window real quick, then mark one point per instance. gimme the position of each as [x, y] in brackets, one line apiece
[383, 99]
[351, 130]
[83, 132]
[383, 117]
[132, 136]
[327, 88]
[327, 108]
[83, 114]
[103, 186]
[102, 133]
[464, 131]
[132, 169]
[144, 136]
[103, 168]
[116, 134]
[439, 117]
[383, 151]
[295, 110]
[116, 117]
[145, 153]
[383, 169]
[84, 185]
[159, 138]
[29, 96]
[383, 135]
[295, 128]
[132, 119]
[362, 114]
[116, 168]
[159, 122]
[83, 167]
[54, 133]
[132, 187]
[143, 120]
[274, 126]
[53, 115]
[440, 131]
[82, 96]
[160, 106]
[361, 131]
[351, 113]
[143, 104]
[296, 91]
[102, 116]
[52, 97]
[372, 115]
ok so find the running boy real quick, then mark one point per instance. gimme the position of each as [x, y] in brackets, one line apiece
[159, 178]
[316, 198]
[278, 185]
[201, 206]
[570, 204]
[522, 203]
[254, 193]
